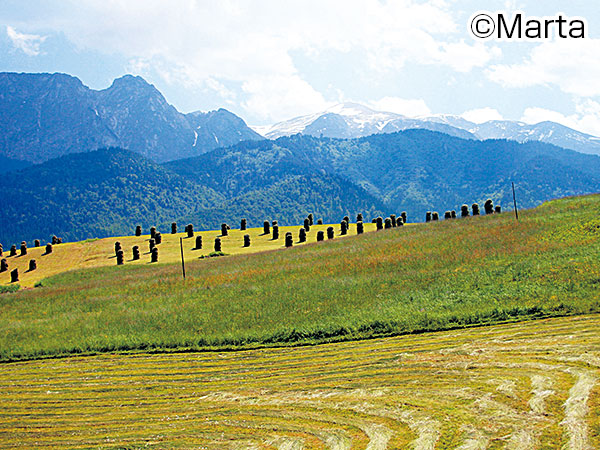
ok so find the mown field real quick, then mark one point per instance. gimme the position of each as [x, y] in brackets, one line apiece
[101, 252]
[528, 385]
[443, 275]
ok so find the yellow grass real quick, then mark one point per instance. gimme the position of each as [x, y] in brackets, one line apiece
[529, 385]
[100, 252]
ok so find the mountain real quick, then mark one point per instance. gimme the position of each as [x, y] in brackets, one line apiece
[351, 120]
[412, 170]
[43, 116]
[549, 132]
[95, 194]
[107, 192]
[9, 165]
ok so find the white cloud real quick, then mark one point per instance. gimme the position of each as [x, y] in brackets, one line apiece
[271, 97]
[406, 107]
[571, 64]
[251, 44]
[27, 43]
[481, 115]
[586, 117]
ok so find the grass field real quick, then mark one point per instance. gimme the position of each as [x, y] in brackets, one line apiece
[101, 252]
[528, 385]
[426, 277]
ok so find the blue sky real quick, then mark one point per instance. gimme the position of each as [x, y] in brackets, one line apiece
[269, 61]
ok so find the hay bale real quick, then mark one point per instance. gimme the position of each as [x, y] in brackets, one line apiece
[190, 230]
[246, 240]
[13, 250]
[266, 227]
[360, 228]
[136, 252]
[36, 243]
[302, 235]
[243, 224]
[174, 228]
[224, 229]
[343, 228]
[330, 233]
[120, 258]
[379, 223]
[23, 248]
[14, 276]
[320, 236]
[198, 242]
[32, 265]
[275, 231]
[48, 249]
[154, 257]
[3, 265]
[217, 244]
[289, 240]
[138, 230]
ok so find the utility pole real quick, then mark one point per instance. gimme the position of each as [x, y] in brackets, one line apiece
[515, 202]
[182, 261]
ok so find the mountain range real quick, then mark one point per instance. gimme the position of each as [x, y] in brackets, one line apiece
[351, 120]
[44, 116]
[108, 192]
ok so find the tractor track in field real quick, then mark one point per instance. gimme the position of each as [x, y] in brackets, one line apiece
[517, 386]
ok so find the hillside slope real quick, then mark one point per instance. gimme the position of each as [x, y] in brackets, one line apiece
[108, 192]
[413, 170]
[447, 274]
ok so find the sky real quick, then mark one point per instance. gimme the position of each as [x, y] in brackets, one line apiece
[269, 61]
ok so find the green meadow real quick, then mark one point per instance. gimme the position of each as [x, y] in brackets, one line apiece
[440, 275]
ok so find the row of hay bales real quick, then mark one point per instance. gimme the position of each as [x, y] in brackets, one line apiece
[488, 207]
[14, 274]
